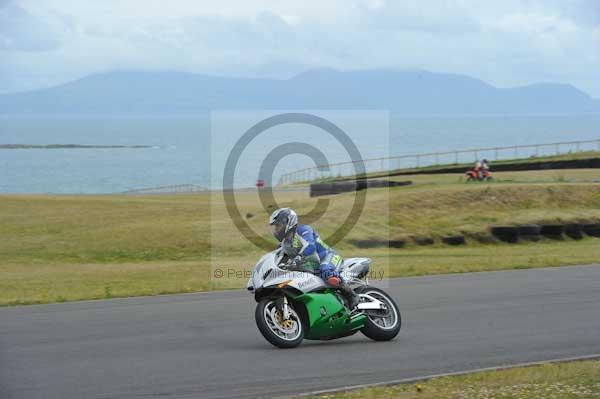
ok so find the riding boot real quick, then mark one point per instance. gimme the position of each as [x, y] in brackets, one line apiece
[349, 294]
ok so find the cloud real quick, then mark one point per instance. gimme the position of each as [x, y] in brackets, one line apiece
[436, 16]
[22, 31]
[505, 43]
[582, 12]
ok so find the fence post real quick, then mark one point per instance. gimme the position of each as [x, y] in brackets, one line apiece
[537, 150]
[577, 146]
[456, 157]
[516, 152]
[418, 160]
[557, 149]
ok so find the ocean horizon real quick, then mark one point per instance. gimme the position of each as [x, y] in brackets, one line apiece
[187, 150]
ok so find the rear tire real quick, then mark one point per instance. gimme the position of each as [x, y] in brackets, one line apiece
[271, 329]
[374, 330]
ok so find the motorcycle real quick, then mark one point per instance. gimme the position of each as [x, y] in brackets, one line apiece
[473, 175]
[294, 304]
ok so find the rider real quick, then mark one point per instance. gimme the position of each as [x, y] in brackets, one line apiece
[485, 169]
[301, 243]
[481, 167]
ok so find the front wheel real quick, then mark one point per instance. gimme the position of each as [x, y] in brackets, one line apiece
[281, 333]
[381, 325]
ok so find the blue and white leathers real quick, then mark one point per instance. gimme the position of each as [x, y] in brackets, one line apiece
[307, 244]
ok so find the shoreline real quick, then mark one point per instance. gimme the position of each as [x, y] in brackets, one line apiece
[64, 146]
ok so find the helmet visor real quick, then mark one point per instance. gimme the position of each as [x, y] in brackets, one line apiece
[278, 231]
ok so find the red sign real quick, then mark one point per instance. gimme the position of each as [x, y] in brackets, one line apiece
[260, 183]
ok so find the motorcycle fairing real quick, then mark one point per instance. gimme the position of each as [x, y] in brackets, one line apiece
[327, 317]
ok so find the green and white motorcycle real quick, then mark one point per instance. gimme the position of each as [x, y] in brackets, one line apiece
[295, 304]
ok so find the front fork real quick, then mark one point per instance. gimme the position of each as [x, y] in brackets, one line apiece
[282, 305]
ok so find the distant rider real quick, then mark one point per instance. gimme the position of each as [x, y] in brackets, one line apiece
[302, 243]
[482, 168]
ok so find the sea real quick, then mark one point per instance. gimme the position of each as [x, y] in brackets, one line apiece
[198, 150]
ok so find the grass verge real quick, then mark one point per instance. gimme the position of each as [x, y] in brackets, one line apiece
[59, 282]
[570, 380]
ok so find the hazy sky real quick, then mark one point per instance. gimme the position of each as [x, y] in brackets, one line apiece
[504, 42]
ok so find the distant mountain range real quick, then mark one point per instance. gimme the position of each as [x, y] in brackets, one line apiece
[403, 92]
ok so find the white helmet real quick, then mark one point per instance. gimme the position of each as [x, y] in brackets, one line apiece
[282, 221]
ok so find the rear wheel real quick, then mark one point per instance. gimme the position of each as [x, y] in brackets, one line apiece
[279, 332]
[381, 325]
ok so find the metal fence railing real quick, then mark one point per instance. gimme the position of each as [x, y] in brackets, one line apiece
[176, 189]
[383, 164]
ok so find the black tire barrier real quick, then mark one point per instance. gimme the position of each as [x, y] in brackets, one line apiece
[508, 234]
[592, 229]
[553, 231]
[377, 183]
[396, 243]
[362, 243]
[318, 189]
[423, 240]
[454, 240]
[529, 232]
[361, 184]
[370, 183]
[574, 231]
[346, 186]
[377, 243]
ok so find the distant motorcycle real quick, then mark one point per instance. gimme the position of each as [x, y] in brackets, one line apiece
[473, 175]
[295, 304]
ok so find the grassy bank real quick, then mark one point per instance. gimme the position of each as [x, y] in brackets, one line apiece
[63, 248]
[560, 380]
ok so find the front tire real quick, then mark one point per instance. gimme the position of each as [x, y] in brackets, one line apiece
[383, 328]
[281, 333]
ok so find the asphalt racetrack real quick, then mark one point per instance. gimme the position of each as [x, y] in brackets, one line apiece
[206, 345]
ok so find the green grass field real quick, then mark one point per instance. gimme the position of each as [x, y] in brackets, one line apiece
[64, 248]
[574, 380]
